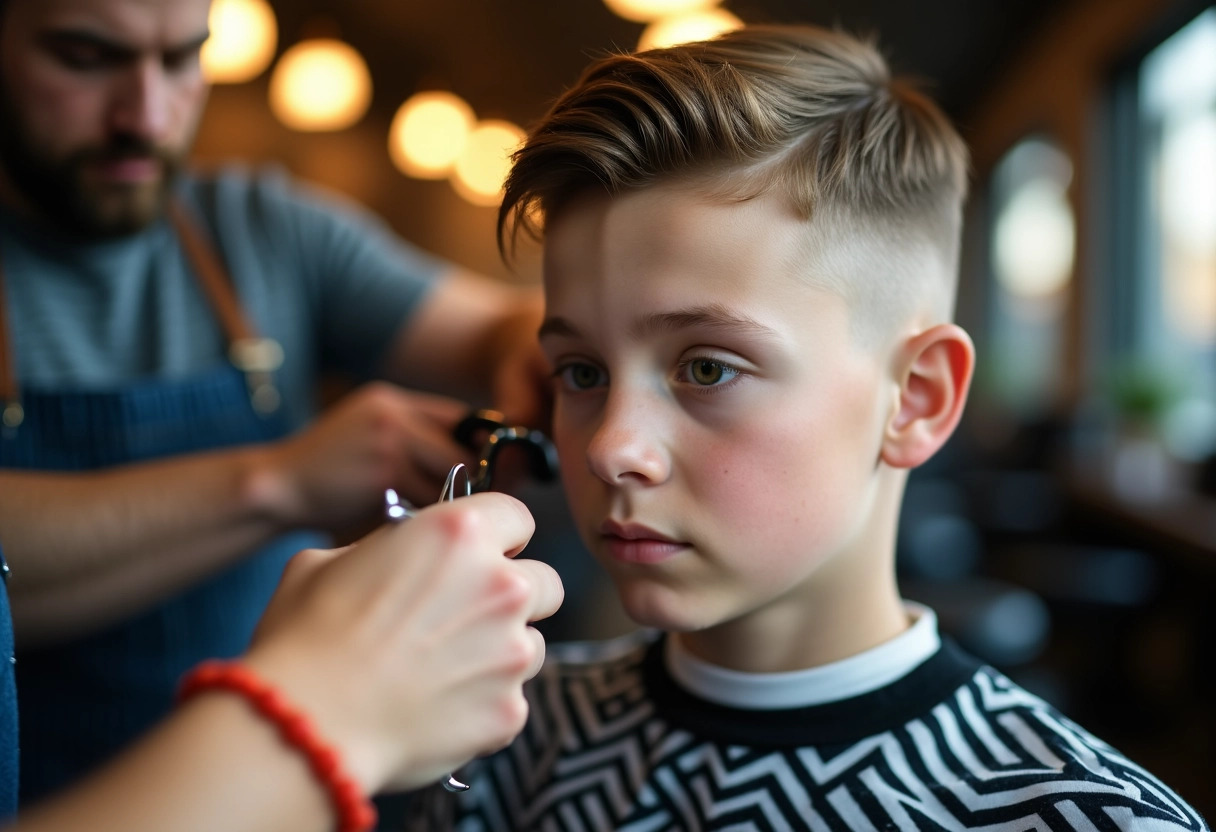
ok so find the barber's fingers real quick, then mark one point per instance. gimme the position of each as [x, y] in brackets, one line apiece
[510, 526]
[470, 526]
[464, 537]
[489, 521]
[547, 592]
[538, 660]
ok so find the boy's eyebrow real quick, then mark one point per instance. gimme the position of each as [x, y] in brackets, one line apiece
[557, 326]
[710, 316]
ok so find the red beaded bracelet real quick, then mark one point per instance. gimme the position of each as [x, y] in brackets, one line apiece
[355, 813]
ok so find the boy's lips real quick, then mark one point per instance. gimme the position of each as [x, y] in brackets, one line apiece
[635, 543]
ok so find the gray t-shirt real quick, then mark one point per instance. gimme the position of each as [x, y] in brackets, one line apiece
[328, 281]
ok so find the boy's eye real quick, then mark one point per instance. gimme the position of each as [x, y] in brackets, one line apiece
[706, 372]
[580, 376]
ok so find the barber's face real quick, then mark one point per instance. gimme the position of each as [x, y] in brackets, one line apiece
[99, 101]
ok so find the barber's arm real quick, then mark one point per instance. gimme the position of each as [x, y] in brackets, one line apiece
[407, 653]
[475, 336]
[87, 548]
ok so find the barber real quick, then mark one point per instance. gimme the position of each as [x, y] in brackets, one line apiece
[161, 336]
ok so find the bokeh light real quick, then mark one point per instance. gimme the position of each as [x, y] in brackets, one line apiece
[485, 161]
[644, 11]
[320, 84]
[429, 132]
[686, 28]
[243, 38]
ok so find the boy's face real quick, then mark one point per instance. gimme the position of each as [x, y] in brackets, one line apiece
[719, 429]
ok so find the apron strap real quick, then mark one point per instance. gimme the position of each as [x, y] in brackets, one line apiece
[253, 355]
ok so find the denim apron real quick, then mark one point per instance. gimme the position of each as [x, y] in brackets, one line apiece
[82, 701]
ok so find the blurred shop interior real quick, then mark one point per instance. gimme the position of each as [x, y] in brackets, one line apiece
[1068, 532]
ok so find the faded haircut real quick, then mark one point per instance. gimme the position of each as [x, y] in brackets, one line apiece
[806, 112]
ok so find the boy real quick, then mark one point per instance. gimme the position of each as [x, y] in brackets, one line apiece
[751, 248]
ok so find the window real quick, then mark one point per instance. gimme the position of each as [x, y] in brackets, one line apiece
[1031, 253]
[1171, 323]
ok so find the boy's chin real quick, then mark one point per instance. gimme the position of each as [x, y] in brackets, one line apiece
[660, 607]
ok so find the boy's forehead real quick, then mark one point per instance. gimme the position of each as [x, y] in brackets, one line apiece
[661, 260]
[668, 229]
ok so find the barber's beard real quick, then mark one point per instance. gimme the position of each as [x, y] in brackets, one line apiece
[68, 192]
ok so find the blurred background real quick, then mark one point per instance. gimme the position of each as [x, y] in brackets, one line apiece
[1068, 532]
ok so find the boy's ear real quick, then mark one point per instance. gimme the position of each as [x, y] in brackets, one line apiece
[934, 373]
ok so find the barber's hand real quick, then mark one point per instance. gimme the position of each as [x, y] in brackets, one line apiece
[522, 384]
[333, 474]
[409, 648]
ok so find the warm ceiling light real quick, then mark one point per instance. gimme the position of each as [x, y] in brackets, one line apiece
[428, 133]
[485, 161]
[686, 28]
[241, 46]
[320, 84]
[643, 11]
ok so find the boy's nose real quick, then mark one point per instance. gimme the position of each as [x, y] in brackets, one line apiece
[626, 447]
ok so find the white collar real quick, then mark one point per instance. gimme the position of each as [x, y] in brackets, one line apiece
[875, 668]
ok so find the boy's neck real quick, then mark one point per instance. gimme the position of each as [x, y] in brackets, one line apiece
[807, 634]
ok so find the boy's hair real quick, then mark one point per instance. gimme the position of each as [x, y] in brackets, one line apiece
[807, 112]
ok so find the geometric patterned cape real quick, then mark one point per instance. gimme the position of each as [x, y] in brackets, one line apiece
[614, 743]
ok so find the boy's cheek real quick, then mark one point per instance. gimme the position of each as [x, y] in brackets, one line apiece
[788, 488]
[579, 484]
[571, 452]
